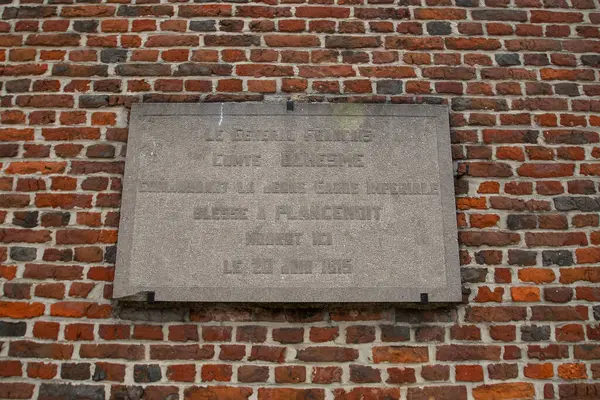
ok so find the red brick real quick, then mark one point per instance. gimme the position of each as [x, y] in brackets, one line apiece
[440, 13]
[400, 354]
[39, 370]
[504, 391]
[28, 349]
[46, 330]
[216, 373]
[469, 373]
[290, 374]
[147, 332]
[216, 392]
[267, 353]
[109, 372]
[18, 310]
[9, 368]
[290, 393]
[16, 390]
[322, 12]
[326, 375]
[232, 352]
[182, 372]
[79, 332]
[252, 373]
[538, 371]
[112, 351]
[288, 335]
[181, 352]
[324, 354]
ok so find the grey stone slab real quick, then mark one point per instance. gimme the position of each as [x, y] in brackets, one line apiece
[323, 203]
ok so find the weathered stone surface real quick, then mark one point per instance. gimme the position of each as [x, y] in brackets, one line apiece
[255, 202]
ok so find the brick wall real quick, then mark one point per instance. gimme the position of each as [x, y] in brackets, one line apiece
[521, 79]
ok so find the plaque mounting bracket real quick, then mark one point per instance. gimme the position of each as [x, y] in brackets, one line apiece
[150, 299]
[424, 298]
[289, 105]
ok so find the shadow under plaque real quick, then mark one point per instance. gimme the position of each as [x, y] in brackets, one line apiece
[267, 202]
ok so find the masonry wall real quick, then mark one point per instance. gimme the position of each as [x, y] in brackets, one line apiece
[521, 79]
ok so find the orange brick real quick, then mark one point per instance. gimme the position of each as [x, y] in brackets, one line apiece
[526, 294]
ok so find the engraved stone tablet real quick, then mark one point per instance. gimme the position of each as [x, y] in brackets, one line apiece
[268, 203]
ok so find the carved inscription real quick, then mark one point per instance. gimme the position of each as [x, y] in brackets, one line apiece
[372, 212]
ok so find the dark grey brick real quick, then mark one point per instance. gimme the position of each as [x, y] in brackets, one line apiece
[473, 275]
[26, 219]
[535, 333]
[414, 316]
[461, 186]
[439, 28]
[154, 315]
[12, 329]
[10, 12]
[581, 203]
[464, 103]
[93, 101]
[110, 255]
[432, 100]
[393, 333]
[389, 86]
[53, 391]
[85, 26]
[561, 258]
[75, 371]
[146, 373]
[517, 222]
[200, 69]
[499, 15]
[23, 253]
[127, 392]
[18, 85]
[567, 89]
[522, 257]
[507, 60]
[591, 60]
[143, 69]
[142, 11]
[467, 3]
[113, 55]
[203, 26]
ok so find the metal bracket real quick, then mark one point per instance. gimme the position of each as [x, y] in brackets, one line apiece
[290, 105]
[424, 298]
[150, 298]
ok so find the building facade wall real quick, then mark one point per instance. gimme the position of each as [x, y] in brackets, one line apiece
[521, 79]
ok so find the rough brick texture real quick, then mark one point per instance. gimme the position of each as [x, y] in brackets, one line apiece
[521, 78]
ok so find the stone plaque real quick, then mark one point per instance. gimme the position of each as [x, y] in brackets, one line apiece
[263, 202]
